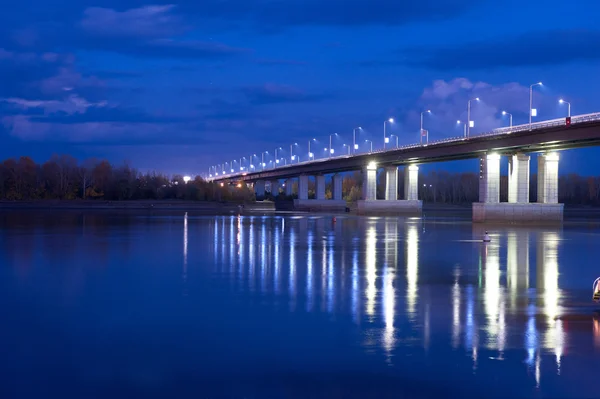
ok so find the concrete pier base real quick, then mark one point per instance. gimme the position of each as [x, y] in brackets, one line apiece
[320, 205]
[392, 207]
[512, 212]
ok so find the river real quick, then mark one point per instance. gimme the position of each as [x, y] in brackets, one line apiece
[99, 304]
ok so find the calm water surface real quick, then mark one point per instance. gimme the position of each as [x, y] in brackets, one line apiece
[99, 305]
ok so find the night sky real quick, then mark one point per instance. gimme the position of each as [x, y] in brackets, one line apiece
[179, 86]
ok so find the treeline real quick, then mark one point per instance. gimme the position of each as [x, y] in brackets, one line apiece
[62, 177]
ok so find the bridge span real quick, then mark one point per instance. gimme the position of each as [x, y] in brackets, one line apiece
[545, 139]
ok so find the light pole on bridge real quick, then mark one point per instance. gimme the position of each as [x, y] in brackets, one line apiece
[310, 154]
[262, 163]
[371, 144]
[469, 122]
[354, 145]
[393, 135]
[509, 117]
[292, 156]
[531, 109]
[330, 148]
[385, 138]
[277, 159]
[421, 132]
[561, 101]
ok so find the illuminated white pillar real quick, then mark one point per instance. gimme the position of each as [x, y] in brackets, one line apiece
[391, 183]
[411, 183]
[303, 187]
[289, 187]
[489, 178]
[259, 188]
[548, 178]
[320, 187]
[369, 187]
[338, 180]
[518, 179]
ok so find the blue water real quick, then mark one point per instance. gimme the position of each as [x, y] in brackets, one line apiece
[127, 305]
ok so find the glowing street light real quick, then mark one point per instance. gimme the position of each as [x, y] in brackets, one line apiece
[346, 145]
[561, 101]
[330, 148]
[464, 127]
[509, 117]
[310, 154]
[532, 111]
[470, 123]
[421, 134]
[385, 138]
[393, 135]
[186, 179]
[277, 159]
[354, 145]
[292, 156]
[262, 163]
[371, 144]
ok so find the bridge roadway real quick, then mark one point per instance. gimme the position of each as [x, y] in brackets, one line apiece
[553, 135]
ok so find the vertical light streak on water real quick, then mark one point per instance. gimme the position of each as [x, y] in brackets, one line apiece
[263, 254]
[355, 288]
[412, 269]
[251, 254]
[277, 259]
[292, 281]
[309, 273]
[330, 274]
[371, 263]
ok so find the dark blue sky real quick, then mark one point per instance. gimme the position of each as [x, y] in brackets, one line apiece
[180, 86]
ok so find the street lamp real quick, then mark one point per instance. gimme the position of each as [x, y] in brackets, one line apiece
[464, 127]
[277, 159]
[331, 149]
[262, 163]
[354, 145]
[310, 154]
[531, 110]
[561, 101]
[371, 144]
[469, 121]
[393, 135]
[421, 134]
[385, 138]
[509, 117]
[346, 145]
[250, 164]
[292, 156]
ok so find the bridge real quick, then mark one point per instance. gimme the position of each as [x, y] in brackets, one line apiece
[545, 139]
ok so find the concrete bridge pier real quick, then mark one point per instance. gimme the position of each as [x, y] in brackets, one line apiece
[275, 188]
[259, 189]
[303, 187]
[289, 187]
[321, 203]
[391, 204]
[518, 208]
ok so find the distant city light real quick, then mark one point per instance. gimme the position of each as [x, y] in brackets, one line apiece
[186, 178]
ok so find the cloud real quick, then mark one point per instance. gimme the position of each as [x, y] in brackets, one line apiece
[275, 94]
[552, 47]
[145, 22]
[73, 104]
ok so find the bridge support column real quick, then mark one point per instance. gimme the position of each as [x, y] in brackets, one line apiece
[289, 187]
[411, 183]
[369, 184]
[518, 209]
[391, 183]
[391, 205]
[518, 179]
[320, 187]
[275, 188]
[259, 189]
[303, 187]
[338, 181]
[548, 178]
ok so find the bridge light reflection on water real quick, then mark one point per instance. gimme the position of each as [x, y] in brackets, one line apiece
[479, 311]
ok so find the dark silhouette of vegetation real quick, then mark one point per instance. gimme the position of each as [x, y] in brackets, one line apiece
[62, 177]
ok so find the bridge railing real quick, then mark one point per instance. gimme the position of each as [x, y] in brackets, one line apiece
[496, 132]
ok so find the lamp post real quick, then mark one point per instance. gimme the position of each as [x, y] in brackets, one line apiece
[509, 117]
[346, 145]
[469, 123]
[385, 139]
[371, 144]
[354, 145]
[561, 101]
[393, 135]
[331, 149]
[262, 163]
[531, 101]
[310, 154]
[292, 156]
[464, 128]
[277, 159]
[421, 133]
[250, 164]
[232, 165]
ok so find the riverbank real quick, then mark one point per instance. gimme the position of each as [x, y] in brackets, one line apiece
[201, 206]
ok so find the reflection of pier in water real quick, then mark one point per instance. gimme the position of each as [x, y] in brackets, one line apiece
[370, 270]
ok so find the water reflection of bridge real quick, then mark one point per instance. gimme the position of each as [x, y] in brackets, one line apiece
[382, 274]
